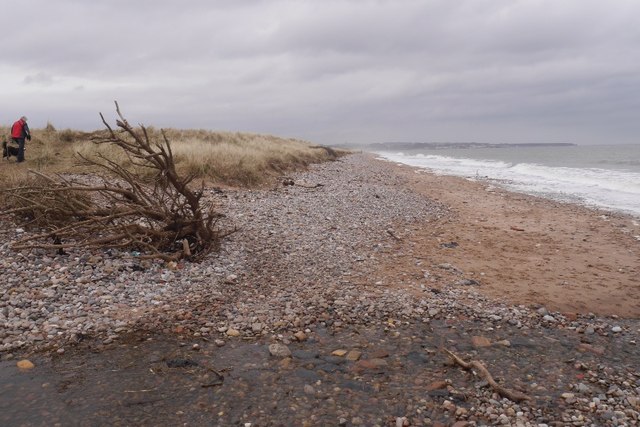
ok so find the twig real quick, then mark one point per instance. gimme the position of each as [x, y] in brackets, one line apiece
[513, 395]
[310, 186]
[215, 383]
[140, 391]
[390, 233]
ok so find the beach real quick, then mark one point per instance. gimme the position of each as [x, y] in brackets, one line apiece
[529, 250]
[338, 296]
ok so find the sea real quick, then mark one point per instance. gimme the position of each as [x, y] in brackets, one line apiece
[601, 176]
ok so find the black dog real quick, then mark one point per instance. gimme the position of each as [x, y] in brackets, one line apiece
[9, 150]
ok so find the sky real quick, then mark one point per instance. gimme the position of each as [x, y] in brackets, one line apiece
[331, 71]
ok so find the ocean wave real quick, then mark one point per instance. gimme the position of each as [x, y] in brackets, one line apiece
[608, 188]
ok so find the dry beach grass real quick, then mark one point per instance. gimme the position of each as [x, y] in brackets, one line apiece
[222, 158]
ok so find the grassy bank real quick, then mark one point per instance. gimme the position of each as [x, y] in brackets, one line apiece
[222, 158]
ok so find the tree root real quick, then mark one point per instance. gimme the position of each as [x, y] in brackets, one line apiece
[163, 217]
[513, 395]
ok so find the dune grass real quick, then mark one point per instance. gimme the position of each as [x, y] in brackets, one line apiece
[219, 158]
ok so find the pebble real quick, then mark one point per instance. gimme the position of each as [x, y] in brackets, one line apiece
[25, 365]
[279, 350]
[300, 336]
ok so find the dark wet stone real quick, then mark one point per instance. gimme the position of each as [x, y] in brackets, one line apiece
[567, 343]
[463, 346]
[335, 360]
[154, 358]
[438, 393]
[417, 357]
[522, 342]
[357, 385]
[305, 354]
[449, 245]
[307, 375]
[607, 415]
[467, 282]
[330, 368]
[181, 363]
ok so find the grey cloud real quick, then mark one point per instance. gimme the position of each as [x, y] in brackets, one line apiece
[42, 79]
[333, 70]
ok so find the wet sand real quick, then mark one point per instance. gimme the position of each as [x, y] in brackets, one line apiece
[526, 250]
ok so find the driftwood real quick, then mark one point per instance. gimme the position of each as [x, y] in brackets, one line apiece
[159, 217]
[513, 395]
[287, 181]
[392, 234]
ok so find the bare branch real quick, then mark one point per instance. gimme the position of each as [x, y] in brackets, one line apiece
[163, 217]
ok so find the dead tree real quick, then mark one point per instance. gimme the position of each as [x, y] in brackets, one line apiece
[161, 217]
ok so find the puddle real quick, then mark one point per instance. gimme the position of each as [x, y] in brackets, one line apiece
[159, 380]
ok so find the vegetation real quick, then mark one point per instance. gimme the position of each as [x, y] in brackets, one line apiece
[139, 191]
[219, 158]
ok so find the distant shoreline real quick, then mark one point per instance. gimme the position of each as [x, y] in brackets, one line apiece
[384, 146]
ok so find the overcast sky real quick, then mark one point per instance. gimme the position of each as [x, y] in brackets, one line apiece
[331, 71]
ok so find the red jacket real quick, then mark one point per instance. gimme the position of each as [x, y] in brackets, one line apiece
[19, 129]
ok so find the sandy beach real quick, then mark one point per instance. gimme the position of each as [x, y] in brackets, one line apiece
[526, 250]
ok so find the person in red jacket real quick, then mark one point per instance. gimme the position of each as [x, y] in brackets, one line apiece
[20, 133]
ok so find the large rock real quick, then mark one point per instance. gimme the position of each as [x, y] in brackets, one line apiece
[279, 350]
[25, 365]
[479, 342]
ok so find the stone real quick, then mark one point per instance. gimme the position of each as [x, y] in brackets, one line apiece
[379, 353]
[374, 365]
[467, 282]
[339, 352]
[616, 329]
[300, 336]
[437, 385]
[279, 350]
[25, 365]
[233, 332]
[285, 363]
[479, 342]
[584, 347]
[582, 388]
[353, 355]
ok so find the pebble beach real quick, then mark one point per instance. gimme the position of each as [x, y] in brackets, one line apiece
[360, 247]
